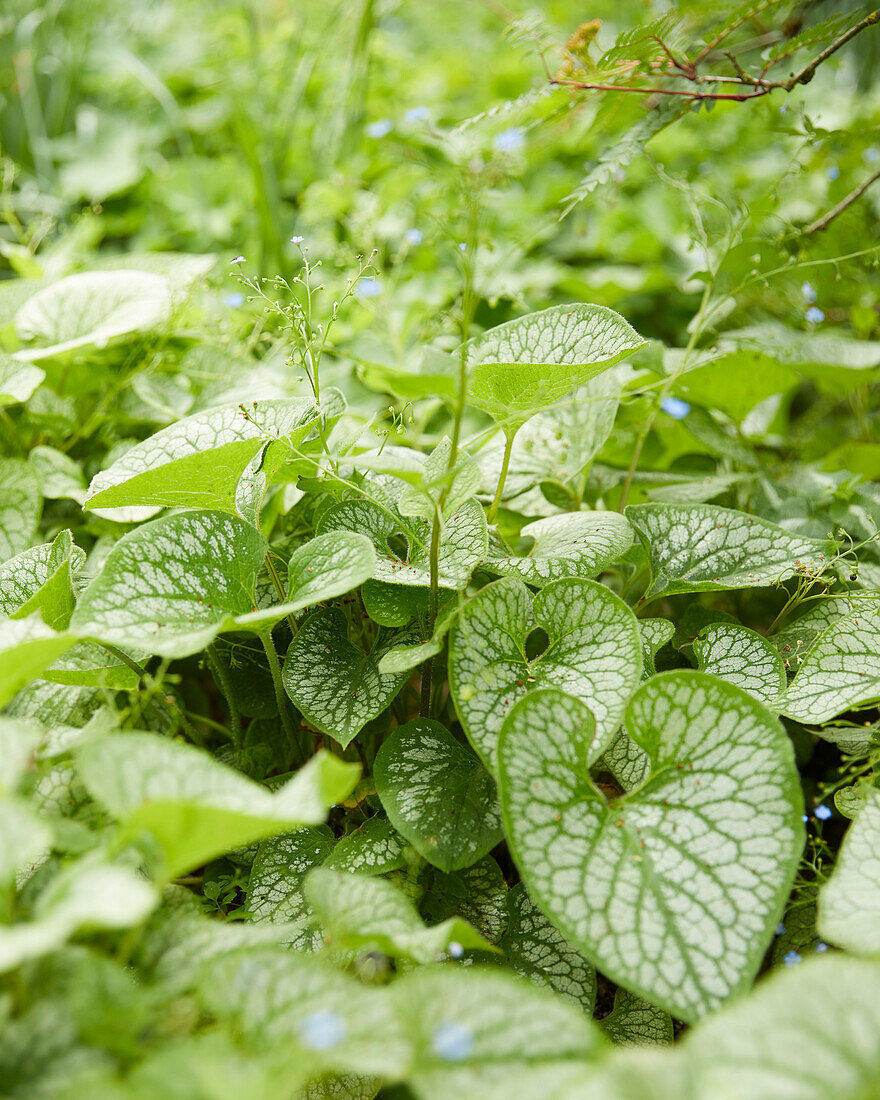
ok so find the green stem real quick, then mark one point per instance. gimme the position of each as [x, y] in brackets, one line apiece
[221, 678]
[502, 477]
[279, 588]
[433, 601]
[280, 693]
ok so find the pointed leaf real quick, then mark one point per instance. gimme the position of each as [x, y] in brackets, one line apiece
[438, 795]
[39, 580]
[849, 903]
[673, 889]
[594, 653]
[577, 544]
[706, 548]
[742, 657]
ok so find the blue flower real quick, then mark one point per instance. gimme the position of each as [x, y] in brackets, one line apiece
[821, 947]
[780, 929]
[368, 288]
[822, 812]
[809, 292]
[675, 407]
[455, 949]
[380, 129]
[814, 315]
[792, 958]
[510, 141]
[832, 172]
[462, 246]
[453, 1042]
[871, 155]
[233, 301]
[416, 114]
[804, 818]
[322, 1030]
[413, 236]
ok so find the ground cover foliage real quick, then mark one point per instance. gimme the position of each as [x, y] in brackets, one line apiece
[439, 559]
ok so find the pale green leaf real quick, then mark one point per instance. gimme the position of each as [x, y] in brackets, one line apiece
[437, 794]
[24, 838]
[195, 806]
[27, 646]
[655, 633]
[19, 738]
[576, 544]
[199, 461]
[674, 888]
[17, 380]
[20, 502]
[39, 579]
[634, 1022]
[477, 893]
[706, 548]
[335, 684]
[60, 477]
[849, 903]
[593, 652]
[364, 913]
[374, 849]
[742, 657]
[274, 890]
[839, 673]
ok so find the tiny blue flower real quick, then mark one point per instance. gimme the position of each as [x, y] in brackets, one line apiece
[814, 315]
[792, 958]
[380, 129]
[510, 141]
[368, 288]
[413, 236]
[832, 172]
[804, 818]
[780, 929]
[821, 947]
[297, 240]
[322, 1030]
[462, 247]
[455, 949]
[871, 155]
[822, 812]
[675, 407]
[416, 114]
[809, 292]
[238, 260]
[233, 301]
[453, 1041]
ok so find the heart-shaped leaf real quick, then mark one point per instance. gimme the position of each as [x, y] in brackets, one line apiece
[706, 548]
[337, 686]
[199, 461]
[438, 795]
[193, 805]
[39, 579]
[577, 544]
[840, 672]
[849, 903]
[592, 651]
[674, 888]
[742, 657]
[523, 366]
[19, 506]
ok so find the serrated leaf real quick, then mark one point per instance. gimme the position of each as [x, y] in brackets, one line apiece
[334, 684]
[849, 902]
[195, 806]
[706, 548]
[360, 912]
[839, 673]
[594, 653]
[437, 795]
[535, 949]
[27, 646]
[20, 502]
[39, 579]
[577, 544]
[199, 461]
[742, 657]
[91, 309]
[674, 888]
[17, 380]
[525, 365]
[634, 1022]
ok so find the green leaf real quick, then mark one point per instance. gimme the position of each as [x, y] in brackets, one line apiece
[654, 633]
[673, 889]
[27, 646]
[577, 544]
[18, 740]
[40, 580]
[326, 567]
[60, 477]
[634, 1022]
[275, 891]
[199, 461]
[840, 672]
[17, 380]
[195, 806]
[477, 893]
[535, 949]
[337, 686]
[525, 365]
[706, 548]
[742, 657]
[593, 652]
[437, 795]
[359, 912]
[26, 838]
[91, 309]
[392, 604]
[849, 903]
[20, 502]
[374, 849]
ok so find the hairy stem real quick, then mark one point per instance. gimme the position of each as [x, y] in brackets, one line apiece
[502, 477]
[278, 684]
[221, 678]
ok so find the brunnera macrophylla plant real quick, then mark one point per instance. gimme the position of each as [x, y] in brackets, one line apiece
[429, 762]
